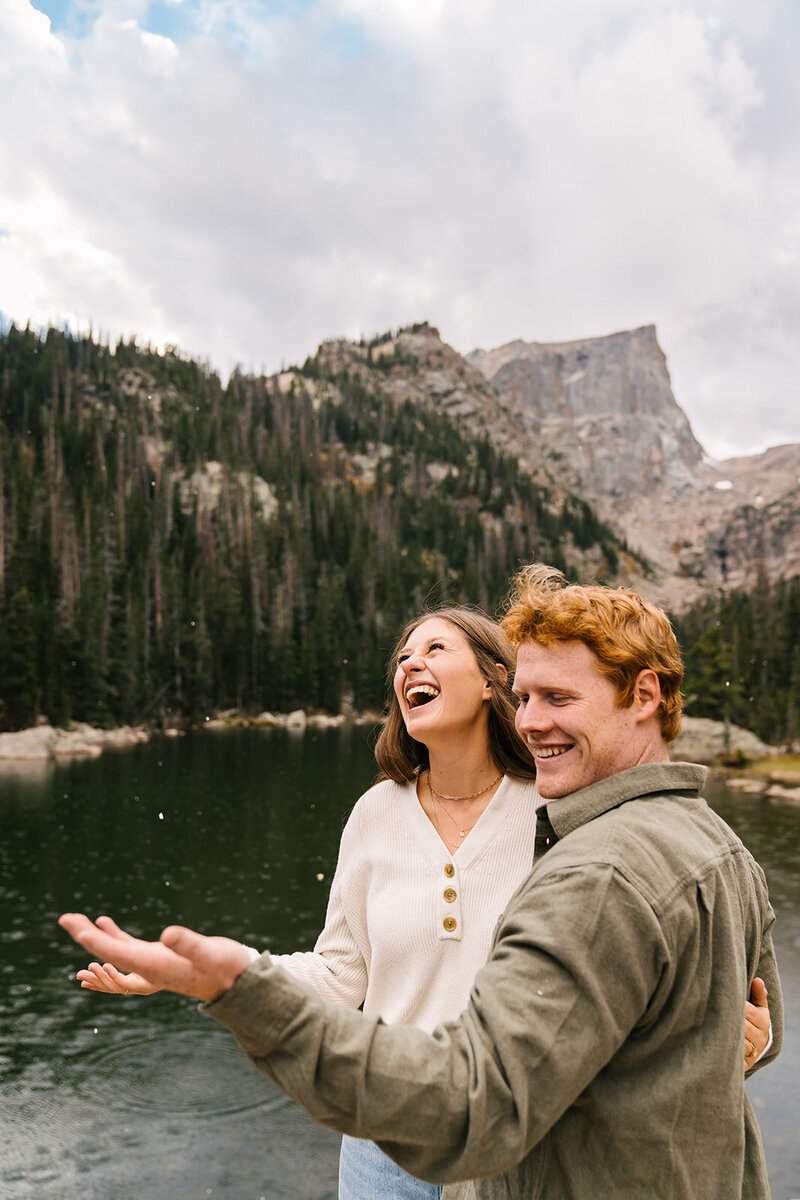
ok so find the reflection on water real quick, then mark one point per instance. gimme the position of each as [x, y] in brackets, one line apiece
[141, 1099]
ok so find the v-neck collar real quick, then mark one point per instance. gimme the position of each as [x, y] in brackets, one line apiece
[478, 838]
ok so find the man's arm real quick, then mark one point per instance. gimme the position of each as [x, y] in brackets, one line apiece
[557, 1000]
[552, 1007]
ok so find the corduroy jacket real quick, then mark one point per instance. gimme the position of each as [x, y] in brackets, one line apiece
[601, 1051]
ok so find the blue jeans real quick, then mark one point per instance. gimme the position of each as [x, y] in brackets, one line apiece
[365, 1173]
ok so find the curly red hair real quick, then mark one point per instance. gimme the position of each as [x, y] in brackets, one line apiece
[626, 633]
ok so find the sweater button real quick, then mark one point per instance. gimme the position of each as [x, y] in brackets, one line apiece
[449, 924]
[449, 895]
[449, 870]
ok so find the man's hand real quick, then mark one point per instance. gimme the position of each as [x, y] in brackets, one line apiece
[181, 961]
[756, 1024]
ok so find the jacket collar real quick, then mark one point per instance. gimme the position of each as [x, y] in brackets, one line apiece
[570, 812]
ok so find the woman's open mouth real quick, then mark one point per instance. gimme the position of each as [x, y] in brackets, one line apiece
[421, 693]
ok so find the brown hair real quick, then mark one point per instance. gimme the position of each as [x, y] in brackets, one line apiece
[626, 633]
[399, 756]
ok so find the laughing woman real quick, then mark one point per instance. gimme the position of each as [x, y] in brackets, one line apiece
[431, 854]
[428, 859]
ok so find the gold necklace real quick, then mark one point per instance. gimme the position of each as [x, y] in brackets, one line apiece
[462, 833]
[451, 846]
[471, 796]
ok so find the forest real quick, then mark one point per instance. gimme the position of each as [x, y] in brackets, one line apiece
[172, 547]
[742, 657]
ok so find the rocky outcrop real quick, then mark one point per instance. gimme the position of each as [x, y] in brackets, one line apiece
[297, 721]
[46, 742]
[783, 786]
[705, 741]
[588, 399]
[604, 411]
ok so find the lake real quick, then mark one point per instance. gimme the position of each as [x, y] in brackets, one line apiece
[114, 1098]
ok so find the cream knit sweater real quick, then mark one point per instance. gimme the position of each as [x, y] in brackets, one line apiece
[409, 925]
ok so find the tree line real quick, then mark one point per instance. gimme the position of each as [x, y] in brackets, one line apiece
[172, 547]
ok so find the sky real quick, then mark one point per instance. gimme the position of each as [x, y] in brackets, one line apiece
[245, 178]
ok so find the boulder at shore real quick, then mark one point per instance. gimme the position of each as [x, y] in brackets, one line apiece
[705, 741]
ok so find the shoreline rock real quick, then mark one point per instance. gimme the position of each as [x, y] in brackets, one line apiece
[716, 744]
[297, 721]
[775, 785]
[45, 742]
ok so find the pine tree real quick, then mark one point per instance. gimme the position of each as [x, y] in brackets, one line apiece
[18, 685]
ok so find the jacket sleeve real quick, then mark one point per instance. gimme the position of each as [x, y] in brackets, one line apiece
[336, 967]
[558, 998]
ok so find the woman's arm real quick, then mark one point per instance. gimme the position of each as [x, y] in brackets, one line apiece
[336, 968]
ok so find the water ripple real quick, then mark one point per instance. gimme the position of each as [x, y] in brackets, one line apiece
[177, 1074]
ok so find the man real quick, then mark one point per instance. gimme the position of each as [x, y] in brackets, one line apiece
[600, 1055]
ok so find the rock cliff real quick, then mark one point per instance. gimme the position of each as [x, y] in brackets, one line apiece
[597, 417]
[604, 410]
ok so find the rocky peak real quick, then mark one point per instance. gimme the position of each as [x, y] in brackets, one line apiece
[603, 408]
[622, 373]
[586, 399]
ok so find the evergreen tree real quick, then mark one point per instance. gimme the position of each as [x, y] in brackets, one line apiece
[18, 685]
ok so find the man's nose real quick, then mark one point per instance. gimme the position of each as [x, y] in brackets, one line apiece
[533, 717]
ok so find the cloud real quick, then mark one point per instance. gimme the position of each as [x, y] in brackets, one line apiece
[269, 175]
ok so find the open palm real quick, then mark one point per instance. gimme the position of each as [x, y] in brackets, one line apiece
[181, 961]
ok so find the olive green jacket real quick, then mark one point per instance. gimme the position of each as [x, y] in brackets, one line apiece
[601, 1052]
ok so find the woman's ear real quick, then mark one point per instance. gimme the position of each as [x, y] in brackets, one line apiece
[503, 673]
[487, 683]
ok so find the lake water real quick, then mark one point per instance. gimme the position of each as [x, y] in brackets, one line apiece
[112, 1098]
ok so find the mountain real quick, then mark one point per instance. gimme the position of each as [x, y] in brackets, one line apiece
[597, 418]
[604, 411]
[715, 542]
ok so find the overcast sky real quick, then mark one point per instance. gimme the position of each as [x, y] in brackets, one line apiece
[244, 178]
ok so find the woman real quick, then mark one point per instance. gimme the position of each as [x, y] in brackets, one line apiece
[429, 856]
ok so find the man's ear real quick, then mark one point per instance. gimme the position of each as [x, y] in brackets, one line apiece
[646, 694]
